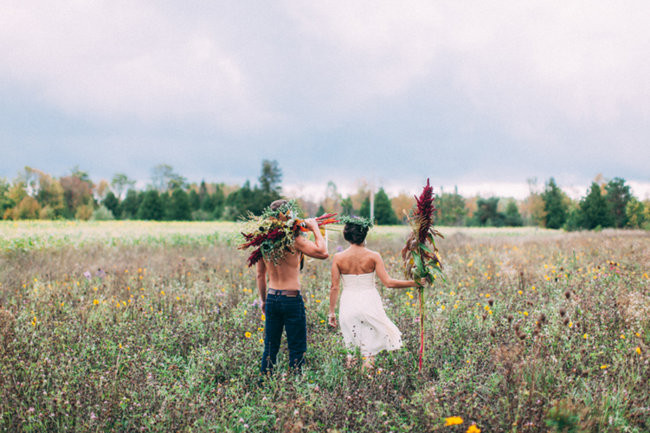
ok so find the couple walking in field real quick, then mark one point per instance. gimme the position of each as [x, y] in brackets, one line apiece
[362, 319]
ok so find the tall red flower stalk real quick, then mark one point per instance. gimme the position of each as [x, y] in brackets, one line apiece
[420, 254]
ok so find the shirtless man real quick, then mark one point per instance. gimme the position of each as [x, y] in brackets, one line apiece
[282, 303]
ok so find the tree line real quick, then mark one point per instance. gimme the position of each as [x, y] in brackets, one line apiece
[35, 194]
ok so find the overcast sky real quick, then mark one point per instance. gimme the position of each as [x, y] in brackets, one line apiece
[483, 95]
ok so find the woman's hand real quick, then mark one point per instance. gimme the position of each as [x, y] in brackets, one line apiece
[331, 319]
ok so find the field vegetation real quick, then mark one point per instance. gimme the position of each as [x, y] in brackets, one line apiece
[155, 327]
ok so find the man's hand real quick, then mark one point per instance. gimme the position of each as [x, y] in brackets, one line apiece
[263, 307]
[311, 223]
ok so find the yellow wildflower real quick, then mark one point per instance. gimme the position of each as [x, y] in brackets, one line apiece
[473, 429]
[638, 350]
[95, 302]
[453, 420]
[604, 366]
[247, 334]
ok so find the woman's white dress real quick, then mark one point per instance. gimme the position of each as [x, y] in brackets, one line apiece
[364, 322]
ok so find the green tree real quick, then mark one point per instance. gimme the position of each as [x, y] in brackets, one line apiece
[512, 215]
[320, 211]
[346, 207]
[364, 211]
[178, 206]
[151, 207]
[111, 203]
[634, 212]
[5, 201]
[618, 196]
[195, 200]
[129, 207]
[555, 207]
[594, 210]
[271, 178]
[486, 213]
[451, 210]
[384, 213]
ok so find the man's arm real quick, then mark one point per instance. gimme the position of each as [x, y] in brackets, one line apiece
[260, 278]
[316, 249]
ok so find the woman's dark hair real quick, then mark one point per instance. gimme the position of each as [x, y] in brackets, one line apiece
[355, 233]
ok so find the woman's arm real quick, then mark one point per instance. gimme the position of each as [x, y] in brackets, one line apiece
[387, 281]
[334, 292]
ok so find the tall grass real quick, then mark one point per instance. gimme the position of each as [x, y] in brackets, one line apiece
[533, 332]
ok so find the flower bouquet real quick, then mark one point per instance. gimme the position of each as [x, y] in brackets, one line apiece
[273, 234]
[420, 255]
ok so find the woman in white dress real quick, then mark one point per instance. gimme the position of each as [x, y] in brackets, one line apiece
[364, 323]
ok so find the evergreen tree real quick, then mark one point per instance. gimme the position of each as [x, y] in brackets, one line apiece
[270, 179]
[320, 211]
[346, 207]
[618, 196]
[111, 203]
[512, 215]
[365, 208]
[486, 213]
[129, 207]
[5, 201]
[451, 210]
[194, 200]
[178, 206]
[384, 213]
[151, 207]
[203, 193]
[555, 208]
[594, 211]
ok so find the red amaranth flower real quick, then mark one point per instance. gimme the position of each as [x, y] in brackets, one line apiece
[255, 257]
[424, 212]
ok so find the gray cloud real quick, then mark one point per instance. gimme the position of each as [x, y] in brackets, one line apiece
[462, 91]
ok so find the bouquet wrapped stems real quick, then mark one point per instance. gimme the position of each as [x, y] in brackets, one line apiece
[420, 254]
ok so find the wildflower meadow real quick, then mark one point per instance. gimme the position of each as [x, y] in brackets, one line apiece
[156, 327]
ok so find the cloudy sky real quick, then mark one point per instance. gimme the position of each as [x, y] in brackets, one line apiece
[483, 95]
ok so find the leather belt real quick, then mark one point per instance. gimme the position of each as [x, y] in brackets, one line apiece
[284, 292]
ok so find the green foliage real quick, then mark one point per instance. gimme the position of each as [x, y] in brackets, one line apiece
[111, 203]
[270, 178]
[618, 196]
[555, 207]
[487, 214]
[365, 208]
[594, 210]
[5, 201]
[129, 207]
[451, 210]
[102, 213]
[151, 207]
[178, 206]
[634, 213]
[347, 208]
[384, 213]
[512, 215]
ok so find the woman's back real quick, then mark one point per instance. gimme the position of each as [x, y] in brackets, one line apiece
[356, 260]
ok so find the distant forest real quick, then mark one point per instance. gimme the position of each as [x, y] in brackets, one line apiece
[169, 197]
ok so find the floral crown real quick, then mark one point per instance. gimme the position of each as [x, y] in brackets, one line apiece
[356, 220]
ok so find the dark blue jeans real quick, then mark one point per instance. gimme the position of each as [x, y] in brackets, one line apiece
[288, 313]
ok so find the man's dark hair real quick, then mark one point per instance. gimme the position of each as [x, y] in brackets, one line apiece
[355, 233]
[278, 204]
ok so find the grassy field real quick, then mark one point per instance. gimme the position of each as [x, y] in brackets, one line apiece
[153, 327]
